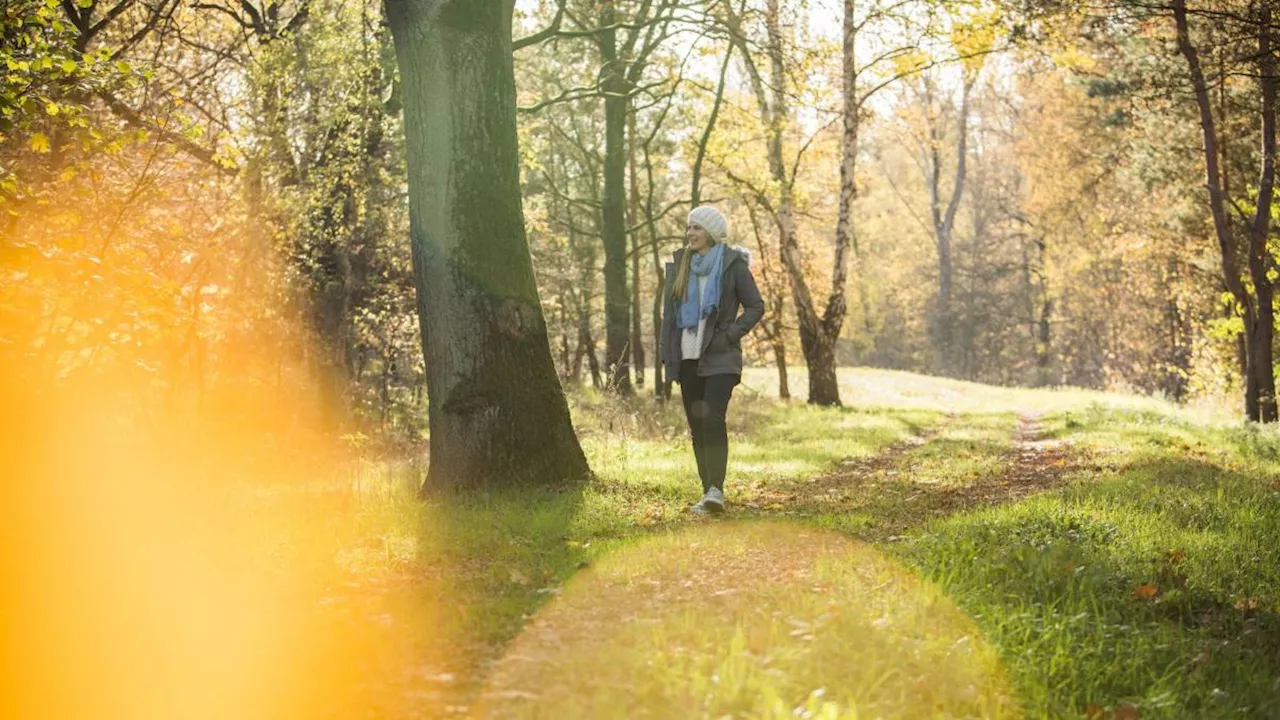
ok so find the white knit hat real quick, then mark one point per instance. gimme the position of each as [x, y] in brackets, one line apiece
[711, 220]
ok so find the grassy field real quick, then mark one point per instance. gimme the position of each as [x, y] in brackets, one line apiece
[932, 549]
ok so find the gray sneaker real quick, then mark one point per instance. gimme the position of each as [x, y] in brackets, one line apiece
[713, 501]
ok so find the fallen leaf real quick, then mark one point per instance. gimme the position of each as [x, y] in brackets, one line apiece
[1127, 711]
[1094, 711]
[1146, 591]
[1247, 604]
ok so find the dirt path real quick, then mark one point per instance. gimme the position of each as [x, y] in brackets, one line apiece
[961, 464]
[1033, 465]
[915, 481]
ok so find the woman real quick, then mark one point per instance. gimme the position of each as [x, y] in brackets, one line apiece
[701, 341]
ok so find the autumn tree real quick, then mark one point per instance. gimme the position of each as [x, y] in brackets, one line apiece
[1247, 237]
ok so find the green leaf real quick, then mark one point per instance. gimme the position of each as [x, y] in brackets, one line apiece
[52, 108]
[39, 143]
[123, 67]
[68, 66]
[84, 3]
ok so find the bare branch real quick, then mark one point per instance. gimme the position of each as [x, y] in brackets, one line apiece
[550, 31]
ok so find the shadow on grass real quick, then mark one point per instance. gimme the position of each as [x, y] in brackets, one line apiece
[484, 562]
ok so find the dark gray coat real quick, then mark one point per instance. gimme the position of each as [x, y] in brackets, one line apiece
[722, 342]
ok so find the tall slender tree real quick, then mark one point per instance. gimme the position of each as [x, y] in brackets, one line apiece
[1256, 300]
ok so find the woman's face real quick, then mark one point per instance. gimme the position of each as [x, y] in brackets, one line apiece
[698, 238]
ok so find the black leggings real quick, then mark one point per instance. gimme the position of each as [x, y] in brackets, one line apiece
[706, 399]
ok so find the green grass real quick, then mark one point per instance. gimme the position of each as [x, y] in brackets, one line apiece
[1146, 577]
[1153, 580]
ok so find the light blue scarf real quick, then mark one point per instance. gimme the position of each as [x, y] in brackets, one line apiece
[697, 306]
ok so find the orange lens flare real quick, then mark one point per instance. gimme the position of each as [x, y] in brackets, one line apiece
[175, 501]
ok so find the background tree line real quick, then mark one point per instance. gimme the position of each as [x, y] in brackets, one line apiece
[1034, 194]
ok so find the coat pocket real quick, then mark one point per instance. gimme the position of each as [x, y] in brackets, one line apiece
[720, 340]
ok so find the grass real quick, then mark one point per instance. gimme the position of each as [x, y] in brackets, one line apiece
[1131, 569]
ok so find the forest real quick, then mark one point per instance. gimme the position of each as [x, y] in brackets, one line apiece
[356, 306]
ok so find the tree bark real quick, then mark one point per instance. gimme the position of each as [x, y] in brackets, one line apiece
[661, 384]
[1262, 330]
[497, 411]
[637, 327]
[617, 316]
[1257, 308]
[780, 361]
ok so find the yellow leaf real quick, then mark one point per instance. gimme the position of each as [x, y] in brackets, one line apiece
[40, 143]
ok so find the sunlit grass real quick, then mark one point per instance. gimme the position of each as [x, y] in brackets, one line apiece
[1149, 576]
[688, 625]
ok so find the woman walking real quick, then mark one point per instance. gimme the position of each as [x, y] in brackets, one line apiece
[701, 339]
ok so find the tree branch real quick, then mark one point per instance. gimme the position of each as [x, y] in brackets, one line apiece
[133, 118]
[550, 31]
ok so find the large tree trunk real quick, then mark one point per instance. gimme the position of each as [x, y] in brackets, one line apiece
[497, 411]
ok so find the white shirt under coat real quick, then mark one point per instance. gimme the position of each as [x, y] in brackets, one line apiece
[691, 338]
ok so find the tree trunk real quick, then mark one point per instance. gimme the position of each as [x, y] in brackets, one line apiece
[587, 348]
[617, 316]
[564, 336]
[661, 384]
[771, 325]
[820, 356]
[818, 334]
[1260, 402]
[1263, 330]
[637, 328]
[944, 224]
[497, 412]
[780, 360]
